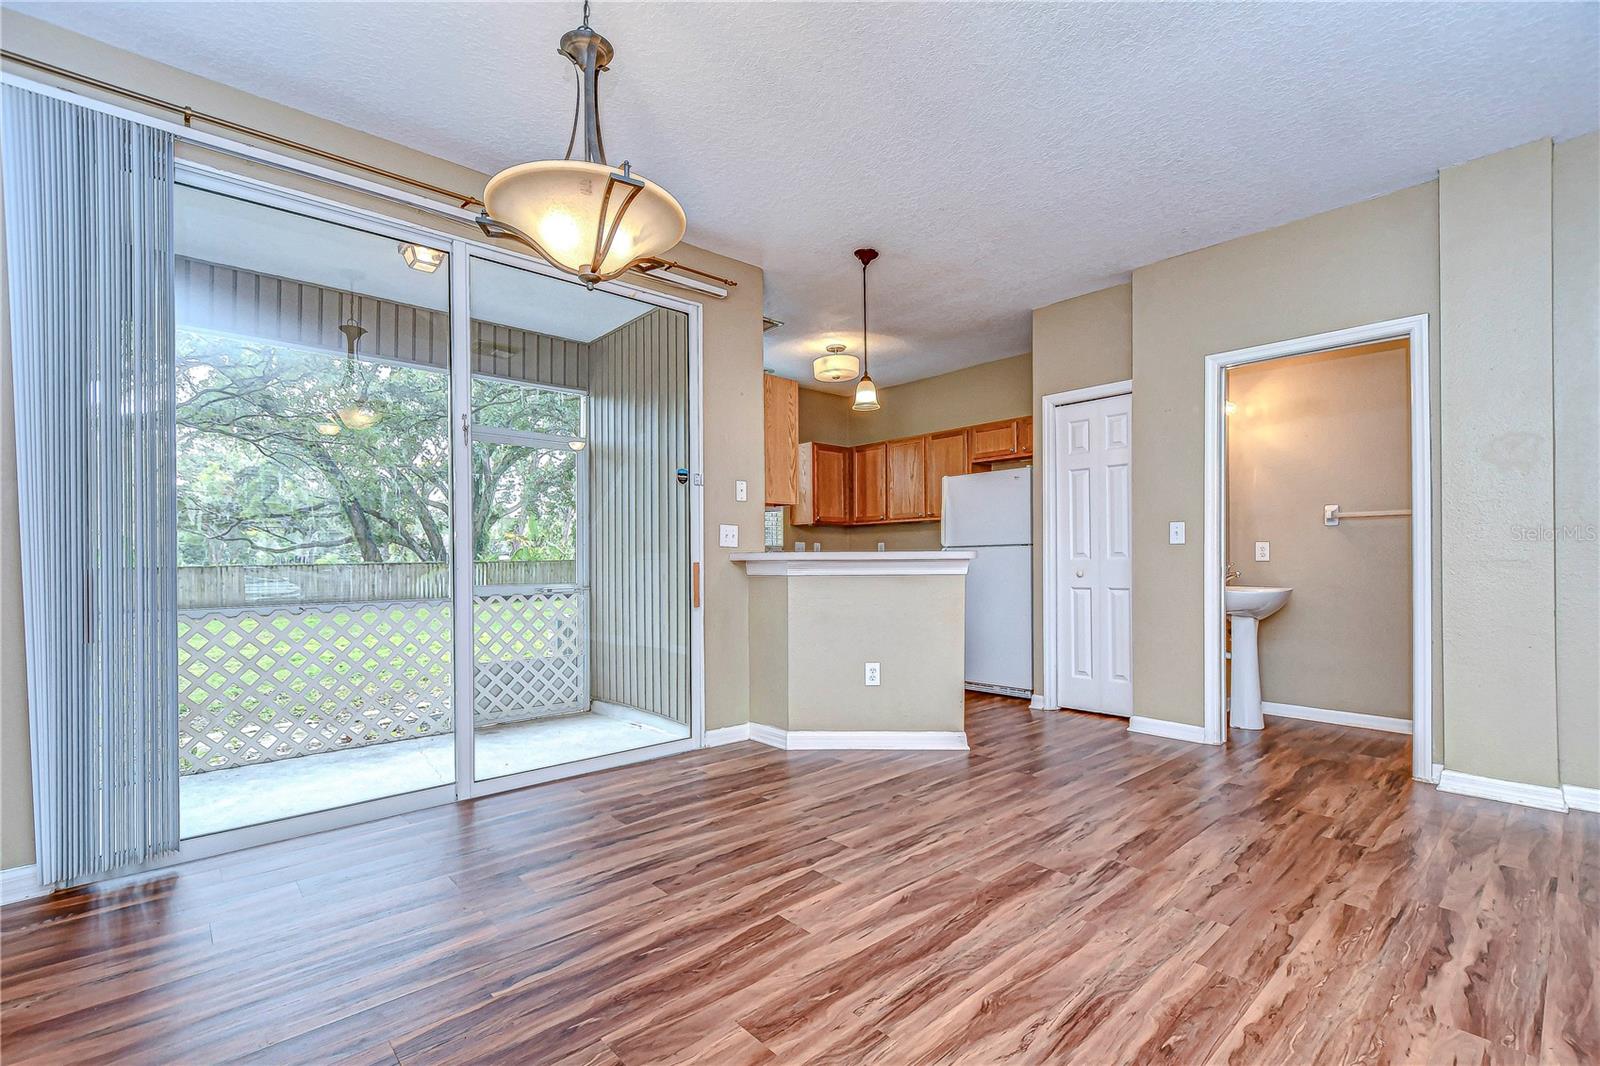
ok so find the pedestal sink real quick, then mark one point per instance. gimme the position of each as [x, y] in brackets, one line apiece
[1246, 606]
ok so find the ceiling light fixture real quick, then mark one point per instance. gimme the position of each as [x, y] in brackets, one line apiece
[866, 390]
[421, 257]
[835, 366]
[582, 215]
[359, 413]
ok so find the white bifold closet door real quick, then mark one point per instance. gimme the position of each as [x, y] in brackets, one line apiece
[1093, 468]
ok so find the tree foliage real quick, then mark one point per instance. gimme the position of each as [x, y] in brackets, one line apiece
[269, 471]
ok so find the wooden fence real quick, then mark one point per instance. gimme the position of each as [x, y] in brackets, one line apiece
[249, 586]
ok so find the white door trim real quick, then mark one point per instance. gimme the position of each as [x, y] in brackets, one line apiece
[1415, 330]
[1049, 617]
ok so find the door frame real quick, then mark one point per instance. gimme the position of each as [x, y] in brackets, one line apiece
[1050, 618]
[1413, 329]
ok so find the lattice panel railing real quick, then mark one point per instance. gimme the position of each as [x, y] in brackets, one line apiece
[531, 651]
[261, 684]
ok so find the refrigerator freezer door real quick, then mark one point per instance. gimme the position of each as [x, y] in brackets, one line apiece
[991, 508]
[1000, 619]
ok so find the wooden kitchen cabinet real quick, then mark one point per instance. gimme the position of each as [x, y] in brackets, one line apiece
[946, 457]
[823, 472]
[780, 411]
[994, 442]
[869, 490]
[907, 481]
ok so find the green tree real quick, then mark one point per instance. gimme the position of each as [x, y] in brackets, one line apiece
[277, 465]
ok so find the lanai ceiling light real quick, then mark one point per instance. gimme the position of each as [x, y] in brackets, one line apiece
[582, 215]
[866, 391]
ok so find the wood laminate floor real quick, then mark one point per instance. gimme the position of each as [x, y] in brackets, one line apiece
[1066, 892]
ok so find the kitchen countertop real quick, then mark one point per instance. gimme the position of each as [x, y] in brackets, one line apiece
[848, 564]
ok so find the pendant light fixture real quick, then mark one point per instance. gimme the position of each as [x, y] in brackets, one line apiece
[866, 390]
[582, 215]
[359, 413]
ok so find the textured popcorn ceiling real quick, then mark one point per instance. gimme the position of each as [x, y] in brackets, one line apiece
[1000, 156]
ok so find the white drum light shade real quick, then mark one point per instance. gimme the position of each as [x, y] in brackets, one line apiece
[835, 367]
[558, 203]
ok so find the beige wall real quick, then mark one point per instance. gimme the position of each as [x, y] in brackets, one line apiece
[1087, 340]
[731, 362]
[1306, 432]
[16, 792]
[1369, 262]
[983, 393]
[1576, 252]
[1498, 458]
[812, 637]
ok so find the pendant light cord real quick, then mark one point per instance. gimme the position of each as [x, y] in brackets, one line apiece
[866, 369]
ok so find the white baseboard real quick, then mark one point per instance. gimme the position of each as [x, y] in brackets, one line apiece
[1580, 798]
[1544, 797]
[1329, 717]
[771, 736]
[1160, 727]
[728, 734]
[20, 883]
[857, 739]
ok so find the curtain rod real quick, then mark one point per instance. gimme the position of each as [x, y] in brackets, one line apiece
[191, 115]
[667, 270]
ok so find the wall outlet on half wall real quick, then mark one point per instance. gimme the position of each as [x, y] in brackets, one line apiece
[872, 673]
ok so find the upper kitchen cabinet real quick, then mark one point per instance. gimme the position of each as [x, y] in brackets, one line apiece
[996, 442]
[824, 485]
[869, 488]
[907, 481]
[946, 457]
[780, 407]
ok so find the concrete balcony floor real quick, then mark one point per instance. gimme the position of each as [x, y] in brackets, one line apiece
[265, 792]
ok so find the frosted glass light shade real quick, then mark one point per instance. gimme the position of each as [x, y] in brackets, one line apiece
[421, 257]
[556, 202]
[866, 396]
[835, 367]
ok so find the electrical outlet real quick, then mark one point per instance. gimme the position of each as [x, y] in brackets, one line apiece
[799, 545]
[729, 536]
[1263, 552]
[1175, 533]
[741, 491]
[872, 673]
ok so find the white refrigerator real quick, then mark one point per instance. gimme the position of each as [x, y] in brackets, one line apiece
[992, 514]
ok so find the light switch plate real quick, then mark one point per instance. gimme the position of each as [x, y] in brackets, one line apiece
[729, 536]
[1263, 552]
[741, 491]
[872, 673]
[799, 545]
[1175, 534]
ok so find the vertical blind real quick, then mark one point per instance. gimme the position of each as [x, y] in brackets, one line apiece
[89, 240]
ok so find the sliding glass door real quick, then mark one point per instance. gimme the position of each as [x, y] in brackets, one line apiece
[313, 514]
[555, 590]
[387, 514]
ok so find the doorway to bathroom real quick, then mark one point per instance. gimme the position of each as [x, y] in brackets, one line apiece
[1319, 535]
